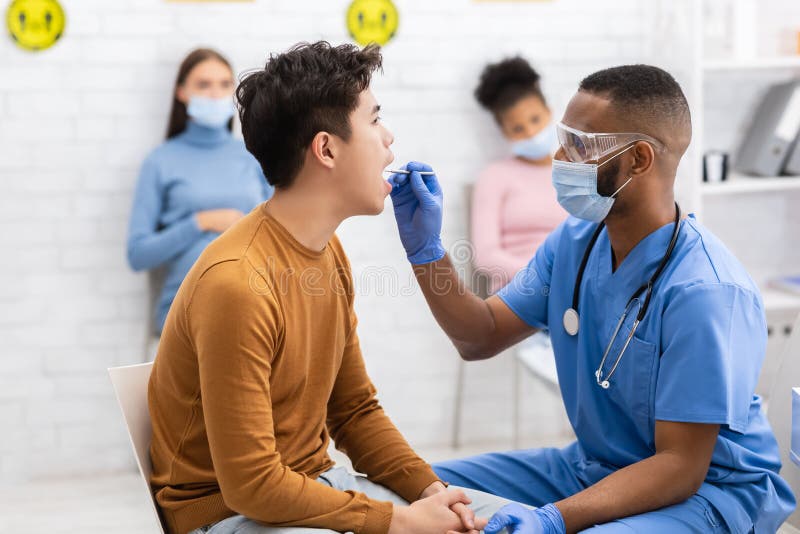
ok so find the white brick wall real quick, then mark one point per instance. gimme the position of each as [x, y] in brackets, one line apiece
[76, 121]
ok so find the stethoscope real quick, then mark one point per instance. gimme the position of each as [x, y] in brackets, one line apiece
[572, 319]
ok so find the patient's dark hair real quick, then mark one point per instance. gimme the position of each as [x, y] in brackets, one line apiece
[652, 100]
[313, 87]
[504, 83]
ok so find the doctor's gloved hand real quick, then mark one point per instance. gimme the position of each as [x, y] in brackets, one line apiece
[417, 204]
[520, 520]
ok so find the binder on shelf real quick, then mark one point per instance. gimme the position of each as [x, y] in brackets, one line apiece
[793, 162]
[772, 134]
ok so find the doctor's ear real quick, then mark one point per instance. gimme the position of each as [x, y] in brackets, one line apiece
[323, 148]
[643, 158]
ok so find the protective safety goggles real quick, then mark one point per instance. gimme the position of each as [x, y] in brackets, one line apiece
[581, 147]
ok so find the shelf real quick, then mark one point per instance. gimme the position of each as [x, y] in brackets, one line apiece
[737, 184]
[764, 63]
[777, 299]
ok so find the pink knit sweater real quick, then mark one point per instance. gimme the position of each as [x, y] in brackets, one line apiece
[514, 208]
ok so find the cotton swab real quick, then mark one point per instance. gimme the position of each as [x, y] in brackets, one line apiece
[401, 171]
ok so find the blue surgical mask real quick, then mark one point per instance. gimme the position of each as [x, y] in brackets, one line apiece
[210, 112]
[537, 147]
[576, 189]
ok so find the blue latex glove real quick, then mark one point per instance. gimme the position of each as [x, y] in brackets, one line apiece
[417, 204]
[520, 520]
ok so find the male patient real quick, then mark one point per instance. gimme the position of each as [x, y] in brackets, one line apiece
[259, 363]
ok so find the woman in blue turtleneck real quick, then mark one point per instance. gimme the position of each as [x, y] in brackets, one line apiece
[197, 183]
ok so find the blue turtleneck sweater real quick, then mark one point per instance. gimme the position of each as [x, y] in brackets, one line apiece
[197, 170]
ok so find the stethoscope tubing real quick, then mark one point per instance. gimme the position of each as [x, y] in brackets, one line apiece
[572, 312]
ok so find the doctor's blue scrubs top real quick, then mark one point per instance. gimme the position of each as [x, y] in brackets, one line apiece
[695, 357]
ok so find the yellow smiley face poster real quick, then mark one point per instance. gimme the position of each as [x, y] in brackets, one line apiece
[372, 21]
[35, 24]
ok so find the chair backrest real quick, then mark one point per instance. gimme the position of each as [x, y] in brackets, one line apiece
[130, 384]
[780, 411]
[475, 278]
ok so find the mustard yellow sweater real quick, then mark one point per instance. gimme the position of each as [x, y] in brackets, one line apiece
[259, 366]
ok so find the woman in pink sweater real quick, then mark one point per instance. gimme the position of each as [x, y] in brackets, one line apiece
[514, 204]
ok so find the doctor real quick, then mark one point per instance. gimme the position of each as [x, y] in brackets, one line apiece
[658, 331]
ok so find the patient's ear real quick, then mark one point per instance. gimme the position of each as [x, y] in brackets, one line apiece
[323, 147]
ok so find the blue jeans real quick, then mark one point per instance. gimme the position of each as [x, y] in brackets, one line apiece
[483, 504]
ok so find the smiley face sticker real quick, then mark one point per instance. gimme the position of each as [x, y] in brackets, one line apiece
[372, 21]
[35, 24]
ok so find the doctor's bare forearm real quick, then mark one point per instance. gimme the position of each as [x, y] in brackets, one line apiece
[670, 476]
[642, 487]
[478, 328]
[464, 316]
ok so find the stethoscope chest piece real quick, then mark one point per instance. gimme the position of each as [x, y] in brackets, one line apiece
[571, 321]
[605, 384]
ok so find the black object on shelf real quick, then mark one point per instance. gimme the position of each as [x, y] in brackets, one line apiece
[715, 166]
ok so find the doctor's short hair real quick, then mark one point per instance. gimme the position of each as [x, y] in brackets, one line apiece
[313, 87]
[649, 96]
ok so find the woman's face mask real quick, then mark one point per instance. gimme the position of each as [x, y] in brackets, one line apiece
[211, 112]
[539, 146]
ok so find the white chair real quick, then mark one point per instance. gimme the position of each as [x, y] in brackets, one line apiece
[479, 286]
[536, 358]
[534, 355]
[130, 385]
[780, 412]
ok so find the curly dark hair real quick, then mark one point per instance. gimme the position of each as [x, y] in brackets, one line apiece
[313, 87]
[504, 83]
